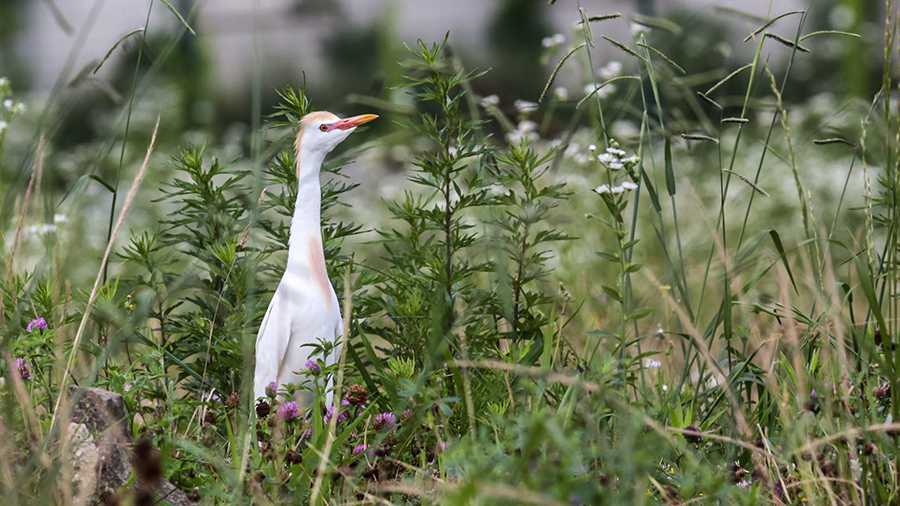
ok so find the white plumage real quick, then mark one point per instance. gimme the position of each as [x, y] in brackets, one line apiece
[304, 307]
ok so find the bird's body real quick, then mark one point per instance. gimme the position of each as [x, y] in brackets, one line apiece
[304, 308]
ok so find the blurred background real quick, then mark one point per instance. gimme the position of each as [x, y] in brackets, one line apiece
[344, 47]
[73, 64]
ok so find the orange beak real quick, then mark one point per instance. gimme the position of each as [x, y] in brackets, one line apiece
[355, 121]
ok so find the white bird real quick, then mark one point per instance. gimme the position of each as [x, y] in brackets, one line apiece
[304, 307]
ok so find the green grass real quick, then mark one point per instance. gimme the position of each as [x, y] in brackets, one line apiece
[697, 309]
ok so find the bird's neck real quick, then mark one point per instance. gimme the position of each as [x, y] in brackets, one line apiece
[305, 253]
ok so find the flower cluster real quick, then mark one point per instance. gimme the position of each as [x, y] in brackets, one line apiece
[343, 415]
[615, 190]
[38, 323]
[24, 369]
[13, 107]
[385, 421]
[490, 101]
[288, 411]
[610, 70]
[556, 40]
[9, 107]
[525, 130]
[313, 368]
[525, 107]
[614, 159]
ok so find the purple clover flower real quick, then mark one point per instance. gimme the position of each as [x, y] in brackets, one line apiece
[313, 367]
[37, 323]
[343, 415]
[360, 449]
[305, 428]
[288, 411]
[385, 420]
[272, 390]
[24, 369]
[440, 447]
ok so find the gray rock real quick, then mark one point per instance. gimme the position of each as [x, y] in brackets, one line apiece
[100, 441]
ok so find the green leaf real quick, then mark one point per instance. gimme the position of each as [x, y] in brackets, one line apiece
[787, 266]
[638, 313]
[868, 287]
[670, 172]
[104, 183]
[612, 293]
[612, 257]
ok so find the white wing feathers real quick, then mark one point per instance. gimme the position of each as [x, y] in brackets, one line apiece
[298, 315]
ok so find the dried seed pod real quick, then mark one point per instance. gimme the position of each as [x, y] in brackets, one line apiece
[356, 395]
[263, 409]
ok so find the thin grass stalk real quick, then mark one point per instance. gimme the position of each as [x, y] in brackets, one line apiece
[651, 74]
[129, 200]
[325, 456]
[762, 157]
[137, 68]
[724, 180]
[588, 37]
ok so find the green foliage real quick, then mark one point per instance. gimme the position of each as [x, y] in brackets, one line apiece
[515, 337]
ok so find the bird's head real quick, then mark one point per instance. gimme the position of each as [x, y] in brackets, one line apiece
[322, 131]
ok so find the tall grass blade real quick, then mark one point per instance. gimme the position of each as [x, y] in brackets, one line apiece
[180, 18]
[114, 46]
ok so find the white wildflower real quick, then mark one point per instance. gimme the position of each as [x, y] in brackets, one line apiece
[561, 93]
[616, 190]
[60, 218]
[665, 388]
[527, 126]
[615, 151]
[3, 126]
[632, 160]
[498, 189]
[8, 103]
[489, 101]
[42, 229]
[555, 40]
[607, 159]
[524, 106]
[592, 148]
[650, 363]
[616, 166]
[600, 190]
[19, 108]
[628, 185]
[611, 70]
[4, 82]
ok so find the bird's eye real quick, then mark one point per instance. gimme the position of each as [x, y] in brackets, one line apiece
[323, 128]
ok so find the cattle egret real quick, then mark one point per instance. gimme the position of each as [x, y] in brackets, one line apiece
[304, 307]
